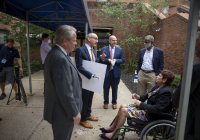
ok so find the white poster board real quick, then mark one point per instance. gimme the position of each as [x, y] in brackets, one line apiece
[99, 70]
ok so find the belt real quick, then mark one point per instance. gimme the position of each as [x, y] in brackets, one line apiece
[147, 71]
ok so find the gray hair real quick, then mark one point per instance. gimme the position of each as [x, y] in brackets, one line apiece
[150, 37]
[89, 35]
[64, 31]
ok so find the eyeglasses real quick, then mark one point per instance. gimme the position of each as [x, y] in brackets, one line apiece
[94, 38]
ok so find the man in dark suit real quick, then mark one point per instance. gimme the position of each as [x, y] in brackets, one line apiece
[193, 115]
[63, 102]
[86, 52]
[114, 57]
[150, 64]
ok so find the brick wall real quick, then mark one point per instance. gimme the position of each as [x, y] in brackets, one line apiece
[171, 39]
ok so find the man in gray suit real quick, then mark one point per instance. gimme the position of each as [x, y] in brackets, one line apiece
[63, 85]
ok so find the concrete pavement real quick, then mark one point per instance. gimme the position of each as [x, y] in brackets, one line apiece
[20, 122]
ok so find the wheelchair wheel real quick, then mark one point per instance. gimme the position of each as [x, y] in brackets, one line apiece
[158, 130]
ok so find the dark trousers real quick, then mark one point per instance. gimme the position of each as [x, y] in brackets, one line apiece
[87, 97]
[62, 132]
[113, 82]
[43, 74]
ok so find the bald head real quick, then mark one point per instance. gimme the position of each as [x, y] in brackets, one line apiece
[113, 40]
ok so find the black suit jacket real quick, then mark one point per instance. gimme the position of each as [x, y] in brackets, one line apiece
[193, 115]
[83, 54]
[159, 102]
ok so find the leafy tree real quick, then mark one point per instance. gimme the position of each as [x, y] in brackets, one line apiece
[17, 31]
[134, 21]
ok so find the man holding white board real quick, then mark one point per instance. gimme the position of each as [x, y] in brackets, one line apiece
[86, 52]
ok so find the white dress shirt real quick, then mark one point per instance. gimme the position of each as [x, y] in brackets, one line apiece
[147, 63]
[62, 49]
[90, 52]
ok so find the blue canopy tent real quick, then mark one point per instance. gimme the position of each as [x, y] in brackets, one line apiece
[49, 14]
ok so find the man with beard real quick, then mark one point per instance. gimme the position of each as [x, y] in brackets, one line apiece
[114, 58]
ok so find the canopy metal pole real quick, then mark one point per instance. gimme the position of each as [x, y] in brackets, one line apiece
[28, 51]
[86, 31]
[188, 67]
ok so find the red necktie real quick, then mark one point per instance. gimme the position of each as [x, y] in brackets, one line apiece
[111, 58]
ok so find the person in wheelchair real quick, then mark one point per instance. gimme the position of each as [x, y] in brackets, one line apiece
[158, 100]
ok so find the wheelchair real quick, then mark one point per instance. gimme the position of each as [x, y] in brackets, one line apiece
[162, 129]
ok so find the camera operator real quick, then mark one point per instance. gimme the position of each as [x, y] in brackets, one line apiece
[7, 55]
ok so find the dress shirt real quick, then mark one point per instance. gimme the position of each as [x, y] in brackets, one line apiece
[62, 49]
[90, 52]
[147, 63]
[113, 53]
[44, 49]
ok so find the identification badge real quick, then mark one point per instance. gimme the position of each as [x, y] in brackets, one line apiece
[3, 61]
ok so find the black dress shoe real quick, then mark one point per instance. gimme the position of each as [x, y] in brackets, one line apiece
[104, 130]
[104, 137]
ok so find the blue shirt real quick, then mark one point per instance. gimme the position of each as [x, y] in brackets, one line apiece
[44, 49]
[9, 54]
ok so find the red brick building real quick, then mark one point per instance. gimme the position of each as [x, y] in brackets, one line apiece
[171, 36]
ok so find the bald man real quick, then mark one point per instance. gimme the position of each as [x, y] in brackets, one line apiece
[114, 57]
[87, 52]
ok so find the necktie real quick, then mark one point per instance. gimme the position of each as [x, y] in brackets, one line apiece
[111, 58]
[69, 57]
[92, 55]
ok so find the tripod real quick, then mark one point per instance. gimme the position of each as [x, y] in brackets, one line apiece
[19, 86]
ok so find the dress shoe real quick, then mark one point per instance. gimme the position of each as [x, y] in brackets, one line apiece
[105, 106]
[86, 124]
[104, 137]
[114, 106]
[104, 130]
[91, 118]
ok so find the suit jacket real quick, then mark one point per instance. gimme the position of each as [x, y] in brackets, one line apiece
[63, 88]
[193, 114]
[158, 60]
[83, 54]
[117, 55]
[160, 101]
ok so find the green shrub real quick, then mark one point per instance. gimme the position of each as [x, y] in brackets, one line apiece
[128, 68]
[176, 81]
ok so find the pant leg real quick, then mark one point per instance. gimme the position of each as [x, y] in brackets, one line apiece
[62, 132]
[106, 89]
[85, 99]
[151, 80]
[90, 98]
[142, 85]
[114, 84]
